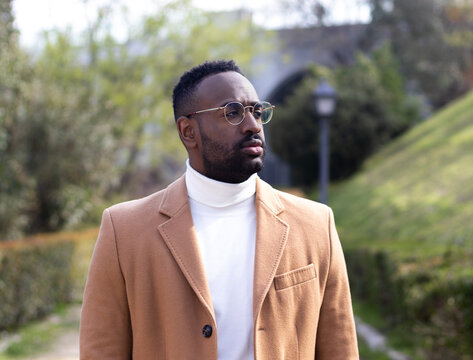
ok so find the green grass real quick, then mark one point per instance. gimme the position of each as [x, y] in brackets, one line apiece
[412, 203]
[38, 336]
[415, 197]
[397, 338]
[367, 354]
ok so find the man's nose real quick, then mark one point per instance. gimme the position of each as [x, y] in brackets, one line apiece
[250, 124]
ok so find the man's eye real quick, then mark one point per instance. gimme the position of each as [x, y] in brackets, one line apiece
[232, 113]
[257, 113]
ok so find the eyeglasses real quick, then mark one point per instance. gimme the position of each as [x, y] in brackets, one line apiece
[235, 112]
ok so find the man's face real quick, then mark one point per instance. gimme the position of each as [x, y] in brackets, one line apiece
[229, 153]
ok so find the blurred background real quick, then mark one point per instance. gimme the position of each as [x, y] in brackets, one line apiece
[86, 121]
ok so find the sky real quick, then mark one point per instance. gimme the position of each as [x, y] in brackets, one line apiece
[34, 16]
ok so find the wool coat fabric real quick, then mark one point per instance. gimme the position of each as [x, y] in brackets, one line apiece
[147, 296]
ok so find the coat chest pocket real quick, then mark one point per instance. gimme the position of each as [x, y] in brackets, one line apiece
[295, 277]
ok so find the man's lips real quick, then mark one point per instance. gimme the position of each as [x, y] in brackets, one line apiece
[253, 147]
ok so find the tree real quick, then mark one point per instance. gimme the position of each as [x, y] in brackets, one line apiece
[74, 128]
[68, 144]
[309, 12]
[14, 73]
[167, 43]
[432, 40]
[372, 108]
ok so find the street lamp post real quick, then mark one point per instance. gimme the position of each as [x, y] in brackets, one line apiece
[325, 99]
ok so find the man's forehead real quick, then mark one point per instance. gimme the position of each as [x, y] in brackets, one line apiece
[228, 84]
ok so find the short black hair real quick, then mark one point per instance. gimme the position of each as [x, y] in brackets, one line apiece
[183, 93]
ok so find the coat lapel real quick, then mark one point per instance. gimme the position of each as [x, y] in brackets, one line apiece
[180, 237]
[179, 234]
[271, 236]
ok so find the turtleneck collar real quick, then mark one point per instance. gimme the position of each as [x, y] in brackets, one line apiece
[216, 193]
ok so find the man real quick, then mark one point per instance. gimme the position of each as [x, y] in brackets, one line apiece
[219, 265]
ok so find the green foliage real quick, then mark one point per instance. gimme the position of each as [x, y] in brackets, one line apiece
[366, 353]
[380, 286]
[15, 187]
[372, 108]
[81, 118]
[428, 313]
[405, 222]
[397, 338]
[293, 131]
[141, 74]
[38, 274]
[432, 40]
[66, 144]
[418, 187]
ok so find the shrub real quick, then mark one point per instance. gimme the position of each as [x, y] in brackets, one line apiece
[39, 273]
[435, 311]
[372, 109]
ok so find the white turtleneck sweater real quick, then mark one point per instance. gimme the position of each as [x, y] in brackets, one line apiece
[225, 222]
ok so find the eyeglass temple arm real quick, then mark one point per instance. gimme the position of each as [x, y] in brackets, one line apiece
[213, 109]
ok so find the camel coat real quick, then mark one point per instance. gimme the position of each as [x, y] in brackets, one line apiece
[147, 296]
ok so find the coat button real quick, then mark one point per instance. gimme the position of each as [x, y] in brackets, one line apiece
[207, 331]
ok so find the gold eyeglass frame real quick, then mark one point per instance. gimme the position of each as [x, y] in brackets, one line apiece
[244, 111]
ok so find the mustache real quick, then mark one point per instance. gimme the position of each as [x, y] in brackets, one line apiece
[249, 138]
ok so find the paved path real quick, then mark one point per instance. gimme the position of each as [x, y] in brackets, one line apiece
[66, 346]
[377, 341]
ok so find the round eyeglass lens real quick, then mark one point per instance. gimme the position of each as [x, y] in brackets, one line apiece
[234, 112]
[266, 110]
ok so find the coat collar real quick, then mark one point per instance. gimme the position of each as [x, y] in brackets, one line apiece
[179, 234]
[175, 197]
[268, 197]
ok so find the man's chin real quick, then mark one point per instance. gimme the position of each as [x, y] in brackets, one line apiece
[235, 169]
[255, 165]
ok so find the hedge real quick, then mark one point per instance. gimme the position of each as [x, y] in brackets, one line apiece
[38, 273]
[433, 309]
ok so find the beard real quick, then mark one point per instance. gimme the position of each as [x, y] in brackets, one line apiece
[227, 163]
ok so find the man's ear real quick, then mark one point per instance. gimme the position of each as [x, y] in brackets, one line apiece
[187, 128]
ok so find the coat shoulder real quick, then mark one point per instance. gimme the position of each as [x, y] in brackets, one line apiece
[304, 212]
[293, 209]
[290, 200]
[152, 207]
[145, 204]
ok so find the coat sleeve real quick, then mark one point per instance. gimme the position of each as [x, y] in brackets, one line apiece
[336, 334]
[105, 329]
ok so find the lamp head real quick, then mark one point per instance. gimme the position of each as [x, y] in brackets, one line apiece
[325, 99]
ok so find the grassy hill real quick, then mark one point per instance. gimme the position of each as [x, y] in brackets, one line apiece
[407, 218]
[418, 190]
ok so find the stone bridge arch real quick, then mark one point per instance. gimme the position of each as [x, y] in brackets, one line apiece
[276, 73]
